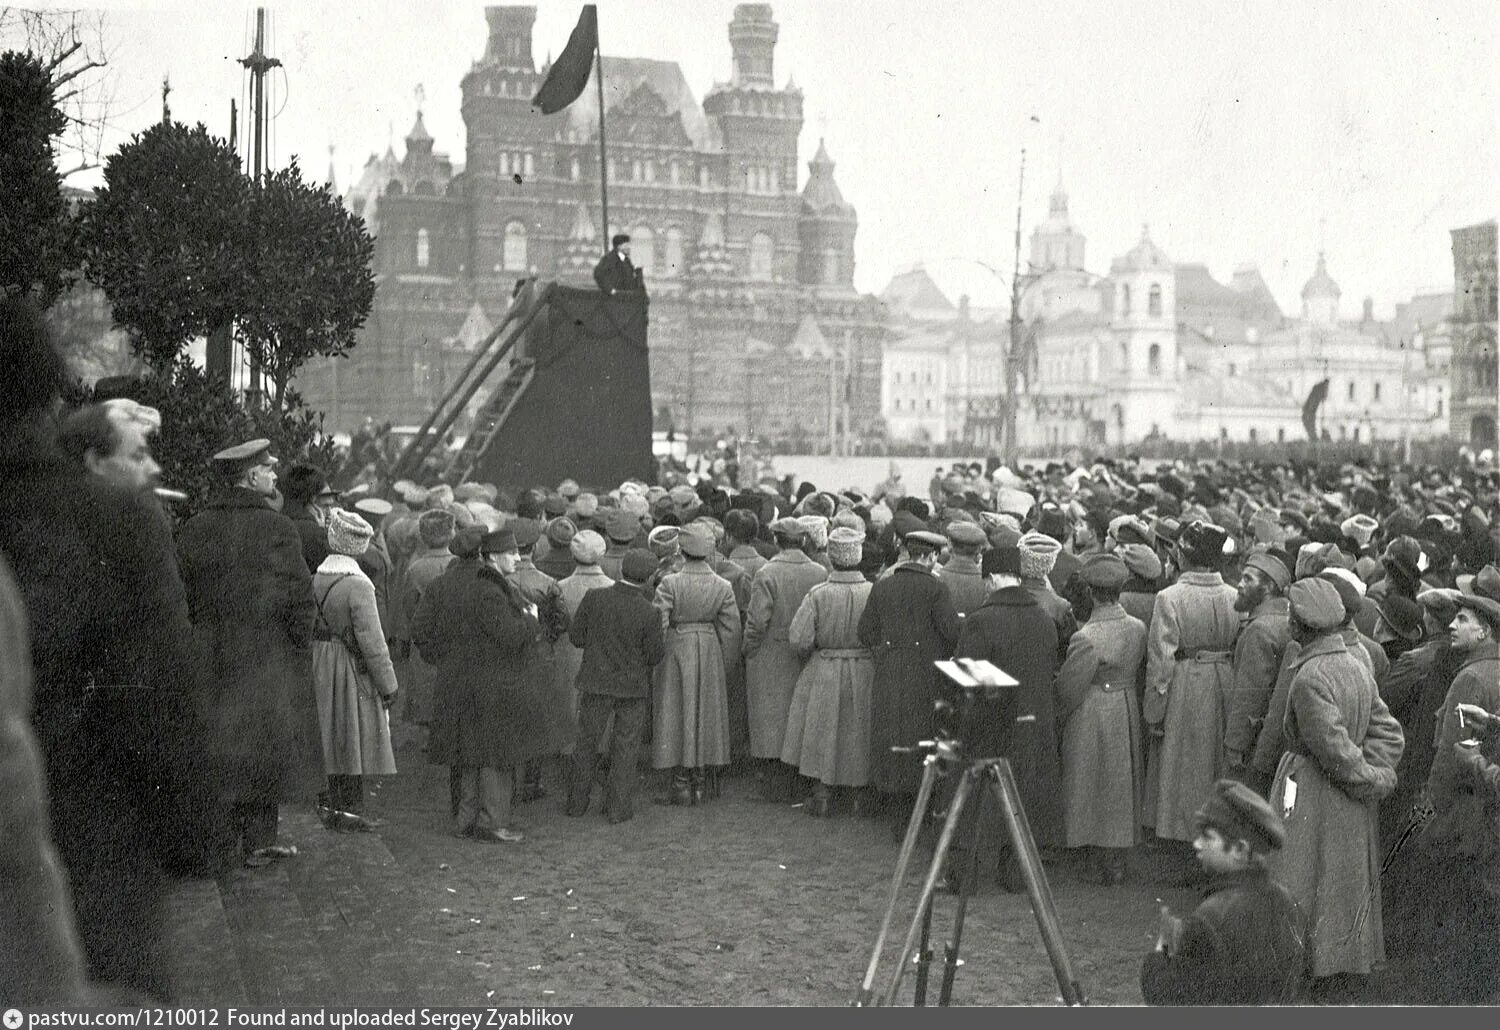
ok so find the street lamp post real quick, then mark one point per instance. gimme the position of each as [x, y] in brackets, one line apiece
[1008, 443]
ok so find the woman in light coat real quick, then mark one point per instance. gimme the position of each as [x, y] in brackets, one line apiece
[1342, 745]
[828, 726]
[354, 686]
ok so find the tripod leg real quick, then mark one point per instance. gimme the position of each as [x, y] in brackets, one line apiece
[1003, 785]
[929, 887]
[965, 892]
[903, 860]
[924, 958]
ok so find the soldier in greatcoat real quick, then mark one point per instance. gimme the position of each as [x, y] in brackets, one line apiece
[553, 701]
[828, 725]
[772, 664]
[584, 548]
[1257, 658]
[435, 531]
[1189, 673]
[1342, 745]
[1103, 759]
[690, 710]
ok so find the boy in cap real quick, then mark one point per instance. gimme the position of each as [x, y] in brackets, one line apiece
[1243, 945]
[620, 634]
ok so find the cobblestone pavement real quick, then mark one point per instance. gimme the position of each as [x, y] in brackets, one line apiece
[736, 902]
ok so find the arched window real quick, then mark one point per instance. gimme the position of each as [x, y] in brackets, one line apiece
[574, 170]
[1153, 360]
[703, 176]
[1124, 298]
[513, 254]
[505, 165]
[636, 173]
[1124, 356]
[1376, 395]
[676, 174]
[1153, 301]
[529, 165]
[1351, 389]
[650, 171]
[672, 243]
[643, 249]
[762, 254]
[424, 248]
[1253, 434]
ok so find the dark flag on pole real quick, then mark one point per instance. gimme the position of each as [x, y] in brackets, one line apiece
[1315, 397]
[570, 72]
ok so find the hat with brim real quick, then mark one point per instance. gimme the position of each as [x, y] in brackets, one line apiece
[1441, 602]
[1239, 813]
[1487, 609]
[1105, 571]
[242, 456]
[925, 540]
[1402, 615]
[1484, 583]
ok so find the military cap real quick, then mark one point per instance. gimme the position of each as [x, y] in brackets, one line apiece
[789, 528]
[696, 541]
[1239, 813]
[622, 526]
[1105, 571]
[526, 532]
[499, 541]
[561, 531]
[244, 453]
[1486, 608]
[924, 538]
[1441, 602]
[377, 506]
[1141, 560]
[467, 542]
[966, 534]
[440, 496]
[1272, 567]
[1316, 602]
[587, 547]
[638, 565]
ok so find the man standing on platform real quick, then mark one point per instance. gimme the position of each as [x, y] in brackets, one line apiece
[615, 273]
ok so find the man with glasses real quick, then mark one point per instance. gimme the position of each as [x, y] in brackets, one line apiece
[250, 599]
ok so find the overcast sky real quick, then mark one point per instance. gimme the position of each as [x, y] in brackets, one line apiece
[1239, 131]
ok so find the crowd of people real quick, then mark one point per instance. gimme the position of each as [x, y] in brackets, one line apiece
[1286, 675]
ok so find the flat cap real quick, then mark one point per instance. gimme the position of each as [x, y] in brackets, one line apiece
[1141, 560]
[1106, 571]
[622, 526]
[926, 538]
[696, 541]
[1271, 567]
[1241, 814]
[1316, 602]
[638, 565]
[966, 534]
[1441, 602]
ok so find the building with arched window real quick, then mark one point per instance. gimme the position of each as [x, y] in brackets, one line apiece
[707, 187]
[424, 248]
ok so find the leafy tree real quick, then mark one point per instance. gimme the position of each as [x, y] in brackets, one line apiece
[38, 251]
[310, 265]
[164, 238]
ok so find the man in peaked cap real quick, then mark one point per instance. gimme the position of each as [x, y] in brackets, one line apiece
[962, 572]
[235, 552]
[1243, 944]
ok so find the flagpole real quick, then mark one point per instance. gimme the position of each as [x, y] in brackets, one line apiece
[603, 161]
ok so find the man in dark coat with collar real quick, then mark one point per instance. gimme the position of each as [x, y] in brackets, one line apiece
[115, 681]
[249, 595]
[1258, 652]
[307, 499]
[1011, 631]
[615, 273]
[908, 623]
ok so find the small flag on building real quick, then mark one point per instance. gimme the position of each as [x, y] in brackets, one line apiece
[570, 72]
[1315, 397]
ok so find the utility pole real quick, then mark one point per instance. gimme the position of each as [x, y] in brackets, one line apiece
[166, 87]
[1008, 449]
[258, 64]
[216, 358]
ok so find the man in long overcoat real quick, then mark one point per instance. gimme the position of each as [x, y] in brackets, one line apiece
[1342, 745]
[475, 627]
[1014, 633]
[249, 595]
[908, 623]
[772, 664]
[962, 575]
[551, 699]
[1257, 658]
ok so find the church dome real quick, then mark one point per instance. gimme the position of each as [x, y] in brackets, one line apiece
[1321, 284]
[1144, 256]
